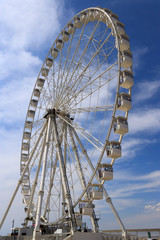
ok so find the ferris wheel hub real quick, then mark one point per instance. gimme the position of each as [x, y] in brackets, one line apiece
[54, 111]
[50, 112]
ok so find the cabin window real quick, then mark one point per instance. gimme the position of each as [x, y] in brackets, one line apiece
[127, 54]
[126, 97]
[59, 41]
[116, 146]
[125, 37]
[124, 121]
[107, 10]
[114, 16]
[128, 74]
[120, 25]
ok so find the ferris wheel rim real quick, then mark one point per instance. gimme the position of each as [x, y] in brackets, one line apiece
[118, 50]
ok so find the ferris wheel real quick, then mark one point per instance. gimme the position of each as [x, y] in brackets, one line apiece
[75, 122]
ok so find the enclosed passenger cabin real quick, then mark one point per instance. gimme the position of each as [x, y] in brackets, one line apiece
[31, 114]
[34, 103]
[113, 149]
[84, 17]
[45, 72]
[65, 36]
[26, 189]
[25, 179]
[127, 59]
[120, 125]
[59, 44]
[25, 146]
[40, 82]
[23, 166]
[107, 10]
[126, 79]
[114, 17]
[24, 157]
[120, 27]
[36, 92]
[28, 124]
[77, 22]
[86, 208]
[105, 172]
[71, 28]
[91, 15]
[124, 42]
[97, 15]
[54, 52]
[124, 102]
[27, 135]
[96, 192]
[49, 62]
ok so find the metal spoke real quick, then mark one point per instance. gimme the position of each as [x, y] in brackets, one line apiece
[91, 109]
[85, 134]
[85, 69]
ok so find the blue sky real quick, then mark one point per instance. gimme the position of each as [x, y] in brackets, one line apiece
[27, 31]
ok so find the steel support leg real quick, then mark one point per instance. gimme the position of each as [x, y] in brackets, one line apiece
[64, 178]
[108, 199]
[41, 191]
[82, 179]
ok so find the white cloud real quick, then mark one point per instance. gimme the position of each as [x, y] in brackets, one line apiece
[130, 146]
[155, 207]
[144, 120]
[16, 64]
[15, 96]
[138, 54]
[127, 175]
[123, 203]
[28, 24]
[146, 90]
[144, 183]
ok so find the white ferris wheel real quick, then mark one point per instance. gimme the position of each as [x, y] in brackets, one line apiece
[75, 122]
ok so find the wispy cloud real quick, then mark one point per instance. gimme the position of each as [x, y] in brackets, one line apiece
[138, 54]
[15, 64]
[130, 146]
[127, 175]
[15, 96]
[144, 120]
[146, 90]
[28, 24]
[146, 183]
[155, 207]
